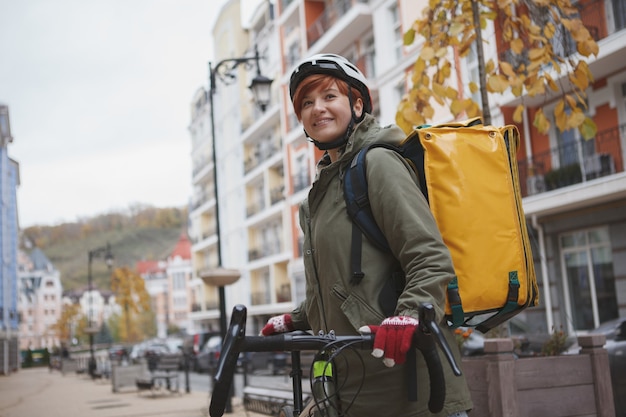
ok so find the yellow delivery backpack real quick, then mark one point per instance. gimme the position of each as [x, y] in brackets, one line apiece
[468, 173]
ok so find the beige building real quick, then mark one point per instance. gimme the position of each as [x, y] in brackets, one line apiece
[39, 300]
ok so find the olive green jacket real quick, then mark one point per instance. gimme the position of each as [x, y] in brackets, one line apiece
[333, 303]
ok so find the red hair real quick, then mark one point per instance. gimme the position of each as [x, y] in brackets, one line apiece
[323, 81]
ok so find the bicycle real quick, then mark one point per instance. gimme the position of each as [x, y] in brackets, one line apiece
[426, 339]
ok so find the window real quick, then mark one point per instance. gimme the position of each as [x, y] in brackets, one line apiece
[396, 25]
[369, 52]
[589, 281]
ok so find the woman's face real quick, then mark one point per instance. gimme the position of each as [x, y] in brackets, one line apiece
[325, 113]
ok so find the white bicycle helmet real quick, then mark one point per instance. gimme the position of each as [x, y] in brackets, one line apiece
[334, 65]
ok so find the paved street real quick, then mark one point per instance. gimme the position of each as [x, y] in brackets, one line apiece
[38, 392]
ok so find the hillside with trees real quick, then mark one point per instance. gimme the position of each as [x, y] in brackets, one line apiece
[139, 233]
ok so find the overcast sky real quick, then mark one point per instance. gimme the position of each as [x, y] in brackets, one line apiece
[99, 94]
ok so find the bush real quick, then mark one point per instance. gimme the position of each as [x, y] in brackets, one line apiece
[556, 344]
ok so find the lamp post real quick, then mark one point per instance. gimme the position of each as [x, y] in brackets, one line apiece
[108, 258]
[260, 86]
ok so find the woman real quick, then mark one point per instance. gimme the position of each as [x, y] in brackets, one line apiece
[332, 101]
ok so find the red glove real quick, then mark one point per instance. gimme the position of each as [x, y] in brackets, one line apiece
[393, 338]
[278, 324]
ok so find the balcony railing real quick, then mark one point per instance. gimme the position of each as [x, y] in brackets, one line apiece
[328, 18]
[579, 161]
[300, 182]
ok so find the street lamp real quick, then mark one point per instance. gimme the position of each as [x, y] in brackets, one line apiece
[260, 87]
[108, 258]
[261, 90]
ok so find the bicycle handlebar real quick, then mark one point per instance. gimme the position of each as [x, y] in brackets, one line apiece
[236, 342]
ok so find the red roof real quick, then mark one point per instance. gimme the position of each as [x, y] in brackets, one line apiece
[182, 248]
[149, 267]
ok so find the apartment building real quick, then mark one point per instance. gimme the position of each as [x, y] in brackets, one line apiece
[9, 181]
[265, 165]
[40, 301]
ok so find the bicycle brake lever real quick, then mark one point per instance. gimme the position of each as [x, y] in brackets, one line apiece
[427, 320]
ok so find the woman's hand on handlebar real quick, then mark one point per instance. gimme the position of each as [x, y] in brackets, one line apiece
[393, 338]
[278, 324]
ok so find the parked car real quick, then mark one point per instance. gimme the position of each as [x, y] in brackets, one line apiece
[615, 333]
[526, 343]
[118, 353]
[209, 355]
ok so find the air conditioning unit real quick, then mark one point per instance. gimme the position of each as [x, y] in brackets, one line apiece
[598, 165]
[535, 184]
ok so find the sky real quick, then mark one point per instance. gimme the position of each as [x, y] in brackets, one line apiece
[99, 95]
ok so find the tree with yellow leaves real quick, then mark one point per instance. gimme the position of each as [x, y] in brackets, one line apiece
[68, 322]
[545, 40]
[131, 295]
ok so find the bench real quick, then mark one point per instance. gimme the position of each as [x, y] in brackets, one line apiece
[162, 376]
[268, 401]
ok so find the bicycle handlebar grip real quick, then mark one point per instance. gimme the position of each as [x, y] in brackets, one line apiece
[231, 348]
[426, 345]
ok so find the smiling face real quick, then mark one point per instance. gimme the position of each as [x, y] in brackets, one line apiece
[323, 107]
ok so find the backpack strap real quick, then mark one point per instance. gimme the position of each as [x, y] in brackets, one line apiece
[510, 307]
[359, 209]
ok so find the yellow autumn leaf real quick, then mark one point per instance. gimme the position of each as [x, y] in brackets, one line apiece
[537, 88]
[451, 93]
[541, 122]
[493, 84]
[560, 117]
[570, 101]
[446, 69]
[518, 113]
[550, 82]
[419, 66]
[579, 79]
[456, 28]
[473, 87]
[588, 129]
[507, 69]
[575, 119]
[489, 66]
[409, 37]
[427, 53]
[517, 90]
[587, 48]
[535, 54]
[441, 52]
[428, 112]
[517, 46]
[549, 30]
[456, 107]
[584, 68]
[473, 109]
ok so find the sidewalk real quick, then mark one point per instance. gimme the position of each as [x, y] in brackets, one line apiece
[38, 392]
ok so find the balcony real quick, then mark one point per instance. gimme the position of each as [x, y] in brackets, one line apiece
[340, 22]
[579, 162]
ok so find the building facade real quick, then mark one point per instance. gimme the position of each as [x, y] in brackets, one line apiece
[40, 301]
[9, 181]
[575, 189]
[169, 284]
[265, 164]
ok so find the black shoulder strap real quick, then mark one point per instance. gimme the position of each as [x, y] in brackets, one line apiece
[359, 209]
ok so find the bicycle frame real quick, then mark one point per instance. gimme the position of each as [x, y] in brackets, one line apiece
[235, 342]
